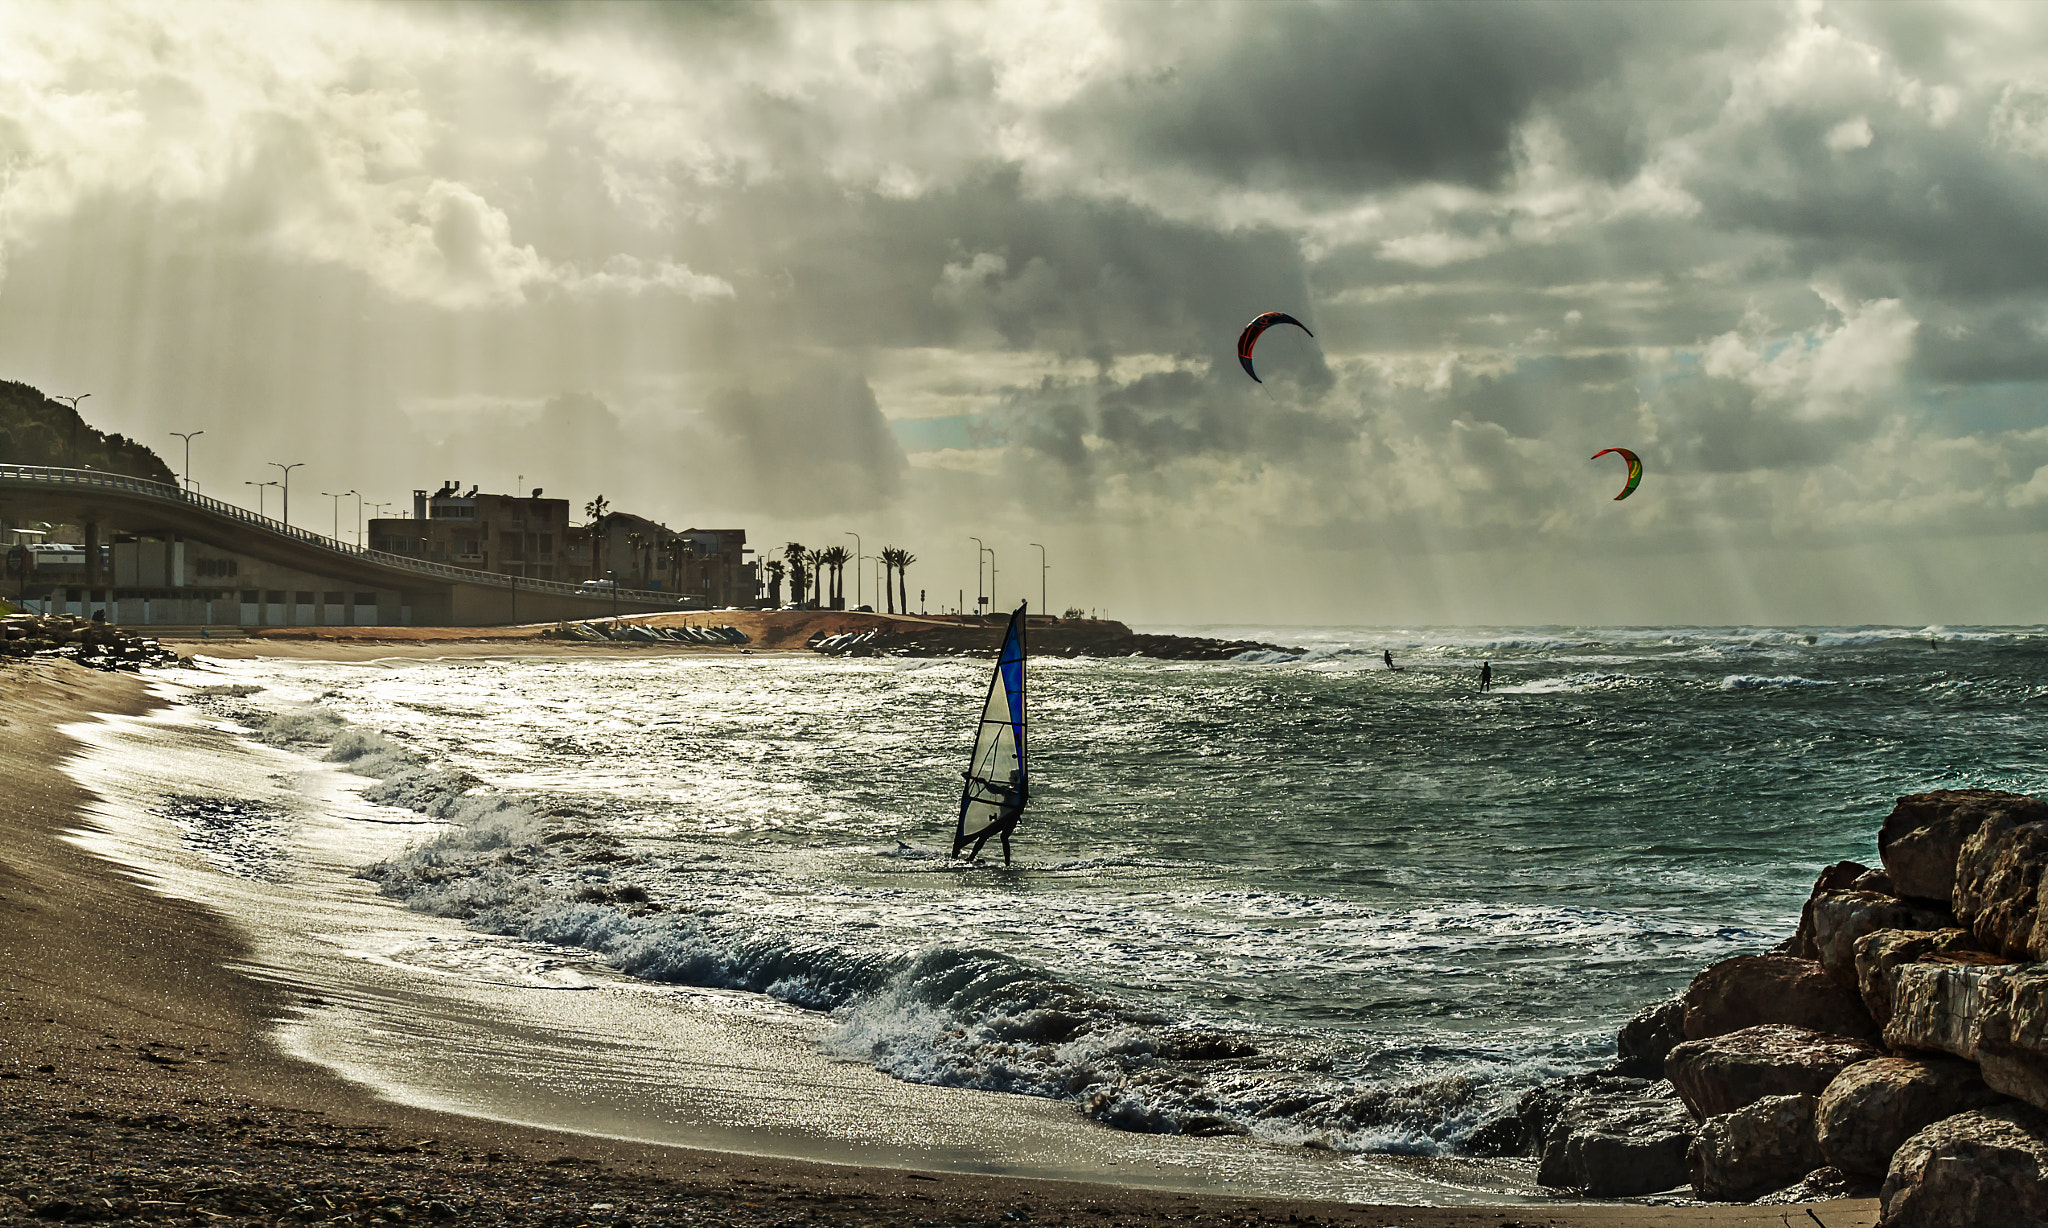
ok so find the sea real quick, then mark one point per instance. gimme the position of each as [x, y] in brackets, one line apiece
[1295, 923]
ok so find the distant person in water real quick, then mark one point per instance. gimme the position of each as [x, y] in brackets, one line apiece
[1486, 675]
[1388, 657]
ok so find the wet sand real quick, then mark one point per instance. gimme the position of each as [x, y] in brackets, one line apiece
[141, 1078]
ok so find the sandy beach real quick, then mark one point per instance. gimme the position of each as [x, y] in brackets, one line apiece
[140, 1079]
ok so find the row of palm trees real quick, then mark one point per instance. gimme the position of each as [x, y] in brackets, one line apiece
[814, 575]
[680, 551]
[819, 576]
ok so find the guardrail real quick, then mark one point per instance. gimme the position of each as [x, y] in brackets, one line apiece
[43, 475]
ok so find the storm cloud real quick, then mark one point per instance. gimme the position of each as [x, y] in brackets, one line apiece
[921, 271]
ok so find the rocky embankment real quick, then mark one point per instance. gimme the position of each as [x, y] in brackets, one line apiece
[1896, 1045]
[93, 644]
[1077, 638]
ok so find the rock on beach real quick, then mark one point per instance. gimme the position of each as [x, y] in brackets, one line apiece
[1899, 1035]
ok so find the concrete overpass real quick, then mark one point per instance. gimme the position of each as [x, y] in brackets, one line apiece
[195, 555]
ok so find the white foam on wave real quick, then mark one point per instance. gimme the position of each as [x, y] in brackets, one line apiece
[1759, 682]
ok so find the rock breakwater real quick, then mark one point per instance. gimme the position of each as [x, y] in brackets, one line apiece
[97, 645]
[1895, 1045]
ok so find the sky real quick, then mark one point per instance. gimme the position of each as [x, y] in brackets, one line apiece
[930, 272]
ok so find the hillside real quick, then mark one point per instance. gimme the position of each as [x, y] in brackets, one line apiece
[36, 430]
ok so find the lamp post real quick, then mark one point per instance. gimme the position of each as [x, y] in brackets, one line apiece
[287, 486]
[259, 495]
[187, 437]
[980, 602]
[359, 518]
[338, 496]
[856, 568]
[991, 577]
[76, 422]
[1043, 608]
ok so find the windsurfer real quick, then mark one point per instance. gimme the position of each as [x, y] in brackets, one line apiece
[1009, 808]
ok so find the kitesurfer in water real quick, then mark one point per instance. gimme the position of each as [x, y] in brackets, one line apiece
[1388, 657]
[1486, 675]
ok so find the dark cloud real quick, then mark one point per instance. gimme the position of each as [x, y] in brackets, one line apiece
[1330, 97]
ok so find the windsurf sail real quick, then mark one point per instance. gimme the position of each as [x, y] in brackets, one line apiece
[997, 782]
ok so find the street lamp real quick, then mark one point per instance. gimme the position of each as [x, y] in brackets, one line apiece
[980, 602]
[856, 567]
[359, 518]
[259, 495]
[1042, 569]
[187, 437]
[992, 576]
[338, 497]
[287, 486]
[76, 422]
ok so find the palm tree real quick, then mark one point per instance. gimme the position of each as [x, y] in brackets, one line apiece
[600, 513]
[814, 564]
[774, 569]
[889, 557]
[904, 559]
[635, 543]
[673, 548]
[837, 557]
[799, 569]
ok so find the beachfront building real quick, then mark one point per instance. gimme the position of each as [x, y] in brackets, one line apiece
[509, 534]
[707, 567]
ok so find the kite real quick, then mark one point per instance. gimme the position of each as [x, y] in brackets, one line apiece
[1250, 337]
[1635, 469]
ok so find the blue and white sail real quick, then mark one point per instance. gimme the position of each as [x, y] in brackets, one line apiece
[997, 779]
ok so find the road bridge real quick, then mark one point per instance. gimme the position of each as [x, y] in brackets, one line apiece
[179, 557]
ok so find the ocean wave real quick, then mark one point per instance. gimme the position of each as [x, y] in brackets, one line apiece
[1758, 682]
[950, 1014]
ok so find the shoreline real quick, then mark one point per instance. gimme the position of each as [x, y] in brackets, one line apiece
[154, 1044]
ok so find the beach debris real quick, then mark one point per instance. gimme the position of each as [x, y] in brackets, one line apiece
[92, 643]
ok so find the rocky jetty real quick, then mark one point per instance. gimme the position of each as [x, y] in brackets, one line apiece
[1054, 638]
[94, 644]
[1896, 1045]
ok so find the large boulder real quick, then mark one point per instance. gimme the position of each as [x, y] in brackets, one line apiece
[1754, 1150]
[1880, 952]
[1521, 1130]
[1724, 1073]
[1974, 1170]
[1748, 990]
[1840, 918]
[1995, 1015]
[1924, 834]
[1998, 881]
[1841, 876]
[1873, 1107]
[1644, 1040]
[1618, 1144]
